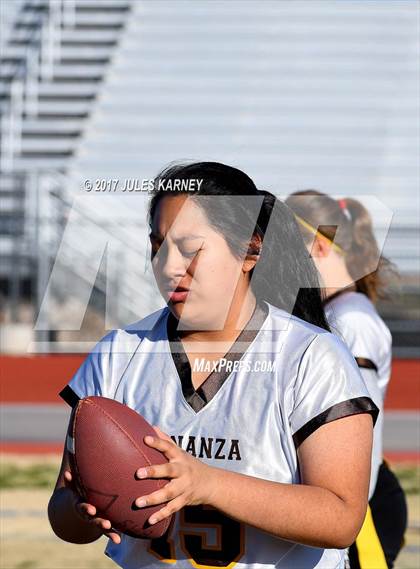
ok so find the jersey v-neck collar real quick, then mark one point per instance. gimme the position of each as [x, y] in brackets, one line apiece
[197, 399]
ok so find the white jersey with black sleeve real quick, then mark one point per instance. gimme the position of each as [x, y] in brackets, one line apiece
[354, 318]
[248, 417]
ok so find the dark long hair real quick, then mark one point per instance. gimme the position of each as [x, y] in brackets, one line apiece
[370, 270]
[285, 275]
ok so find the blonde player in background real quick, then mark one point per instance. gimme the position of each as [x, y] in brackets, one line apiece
[341, 241]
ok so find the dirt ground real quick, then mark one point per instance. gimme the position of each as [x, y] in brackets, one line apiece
[27, 540]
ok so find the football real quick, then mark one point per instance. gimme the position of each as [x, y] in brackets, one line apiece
[106, 448]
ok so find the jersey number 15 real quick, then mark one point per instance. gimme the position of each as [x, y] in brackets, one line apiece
[194, 520]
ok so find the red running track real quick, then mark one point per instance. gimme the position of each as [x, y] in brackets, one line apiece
[38, 379]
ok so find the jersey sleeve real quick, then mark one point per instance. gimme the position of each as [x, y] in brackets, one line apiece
[366, 335]
[361, 335]
[90, 378]
[328, 387]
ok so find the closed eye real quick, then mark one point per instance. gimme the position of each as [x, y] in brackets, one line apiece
[185, 253]
[189, 254]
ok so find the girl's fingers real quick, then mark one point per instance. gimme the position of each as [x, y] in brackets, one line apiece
[168, 470]
[169, 492]
[68, 476]
[170, 508]
[169, 448]
[115, 537]
[87, 511]
[163, 435]
[104, 525]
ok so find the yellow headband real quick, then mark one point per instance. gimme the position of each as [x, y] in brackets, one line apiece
[317, 233]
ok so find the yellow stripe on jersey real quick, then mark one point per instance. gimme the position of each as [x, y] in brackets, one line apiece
[369, 548]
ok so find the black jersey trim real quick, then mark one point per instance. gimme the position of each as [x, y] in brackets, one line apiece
[366, 363]
[347, 408]
[198, 398]
[69, 396]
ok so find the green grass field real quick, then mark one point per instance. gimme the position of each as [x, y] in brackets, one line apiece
[27, 540]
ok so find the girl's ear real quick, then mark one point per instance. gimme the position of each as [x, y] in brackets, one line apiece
[253, 253]
[320, 247]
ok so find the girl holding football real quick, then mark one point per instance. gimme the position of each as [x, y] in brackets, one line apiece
[239, 287]
[340, 238]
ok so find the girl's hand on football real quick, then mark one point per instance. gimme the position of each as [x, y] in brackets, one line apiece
[87, 513]
[191, 480]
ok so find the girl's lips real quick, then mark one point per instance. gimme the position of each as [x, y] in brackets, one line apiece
[178, 295]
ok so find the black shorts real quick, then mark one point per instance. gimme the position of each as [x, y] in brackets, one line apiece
[382, 534]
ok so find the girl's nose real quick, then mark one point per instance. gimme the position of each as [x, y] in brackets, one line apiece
[170, 263]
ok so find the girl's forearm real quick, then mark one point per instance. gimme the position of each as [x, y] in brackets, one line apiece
[310, 515]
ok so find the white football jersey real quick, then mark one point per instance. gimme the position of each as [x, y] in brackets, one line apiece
[354, 318]
[292, 378]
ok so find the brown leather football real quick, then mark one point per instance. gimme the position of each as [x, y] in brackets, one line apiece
[106, 449]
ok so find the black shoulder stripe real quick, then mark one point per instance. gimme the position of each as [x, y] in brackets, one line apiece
[347, 408]
[69, 396]
[366, 364]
